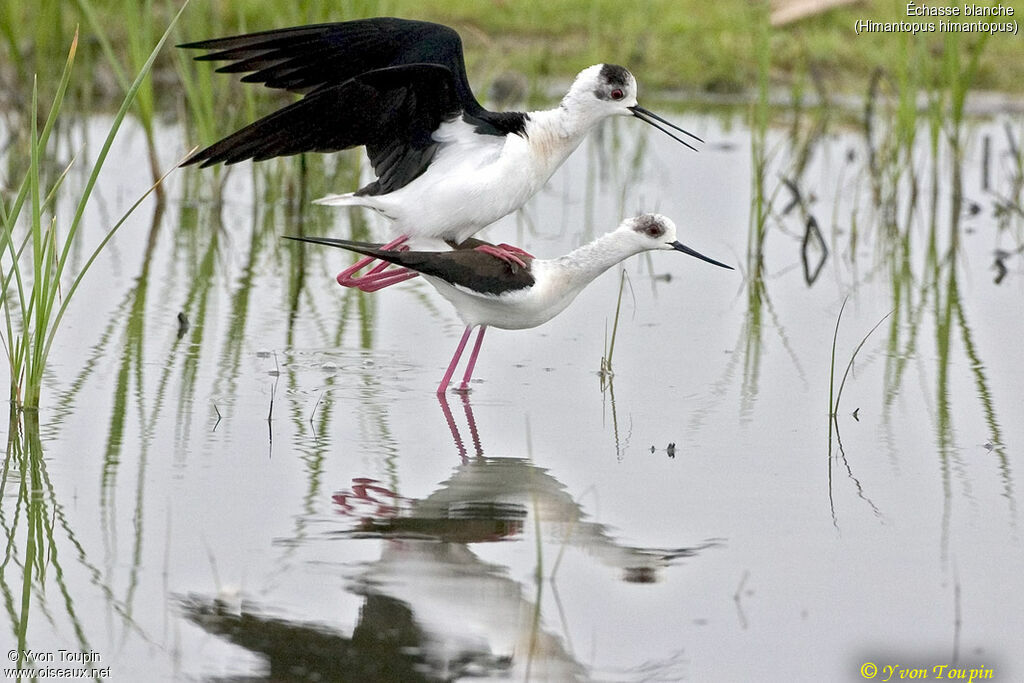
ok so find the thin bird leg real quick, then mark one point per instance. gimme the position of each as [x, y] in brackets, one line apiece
[512, 249]
[452, 427]
[384, 264]
[345, 278]
[375, 279]
[455, 361]
[464, 387]
[376, 269]
[506, 256]
[473, 432]
[474, 243]
[387, 279]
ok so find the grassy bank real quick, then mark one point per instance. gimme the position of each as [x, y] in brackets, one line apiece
[690, 45]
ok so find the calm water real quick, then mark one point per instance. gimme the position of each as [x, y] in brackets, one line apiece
[276, 493]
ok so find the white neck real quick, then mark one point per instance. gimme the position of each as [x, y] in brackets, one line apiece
[582, 265]
[568, 120]
[551, 136]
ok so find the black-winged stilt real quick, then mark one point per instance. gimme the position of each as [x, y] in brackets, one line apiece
[488, 292]
[445, 166]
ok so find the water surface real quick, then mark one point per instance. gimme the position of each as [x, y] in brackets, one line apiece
[276, 493]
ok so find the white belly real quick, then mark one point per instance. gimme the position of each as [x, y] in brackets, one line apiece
[468, 186]
[519, 310]
[472, 181]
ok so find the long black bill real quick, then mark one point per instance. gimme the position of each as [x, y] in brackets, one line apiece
[649, 117]
[679, 246]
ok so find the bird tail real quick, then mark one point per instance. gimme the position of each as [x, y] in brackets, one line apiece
[364, 248]
[347, 199]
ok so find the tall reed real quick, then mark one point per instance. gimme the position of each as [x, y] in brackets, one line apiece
[34, 265]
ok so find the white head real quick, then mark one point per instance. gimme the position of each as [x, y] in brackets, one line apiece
[651, 231]
[605, 90]
[602, 90]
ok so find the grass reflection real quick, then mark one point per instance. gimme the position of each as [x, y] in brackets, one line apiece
[925, 280]
[39, 542]
[216, 257]
[907, 208]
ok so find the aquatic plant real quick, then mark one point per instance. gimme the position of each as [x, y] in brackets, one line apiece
[835, 394]
[606, 372]
[34, 267]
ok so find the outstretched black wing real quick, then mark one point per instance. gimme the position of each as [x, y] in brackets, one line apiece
[384, 83]
[475, 270]
[304, 59]
[392, 111]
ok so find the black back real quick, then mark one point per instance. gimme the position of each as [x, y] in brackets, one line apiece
[475, 270]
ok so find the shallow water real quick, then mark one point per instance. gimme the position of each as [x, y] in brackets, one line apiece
[277, 493]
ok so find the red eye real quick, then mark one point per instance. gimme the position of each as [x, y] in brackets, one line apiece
[617, 94]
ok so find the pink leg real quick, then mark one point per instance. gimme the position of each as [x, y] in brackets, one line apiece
[464, 387]
[345, 278]
[376, 278]
[455, 361]
[506, 256]
[451, 426]
[392, 277]
[473, 432]
[514, 250]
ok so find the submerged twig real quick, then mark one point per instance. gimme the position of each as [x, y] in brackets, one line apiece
[737, 597]
[957, 614]
[276, 372]
[315, 406]
[270, 413]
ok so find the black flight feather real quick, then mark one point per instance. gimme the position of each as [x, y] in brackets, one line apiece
[303, 59]
[384, 83]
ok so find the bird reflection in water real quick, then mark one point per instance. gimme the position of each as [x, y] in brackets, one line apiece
[433, 609]
[488, 499]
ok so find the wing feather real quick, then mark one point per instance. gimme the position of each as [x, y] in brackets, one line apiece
[304, 59]
[392, 111]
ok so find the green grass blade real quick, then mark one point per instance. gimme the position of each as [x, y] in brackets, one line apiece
[832, 367]
[108, 142]
[96, 252]
[44, 138]
[126, 104]
[16, 352]
[849, 365]
[30, 325]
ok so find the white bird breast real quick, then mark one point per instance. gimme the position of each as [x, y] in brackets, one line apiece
[466, 187]
[518, 310]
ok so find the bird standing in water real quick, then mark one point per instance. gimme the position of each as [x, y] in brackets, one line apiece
[488, 292]
[445, 166]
